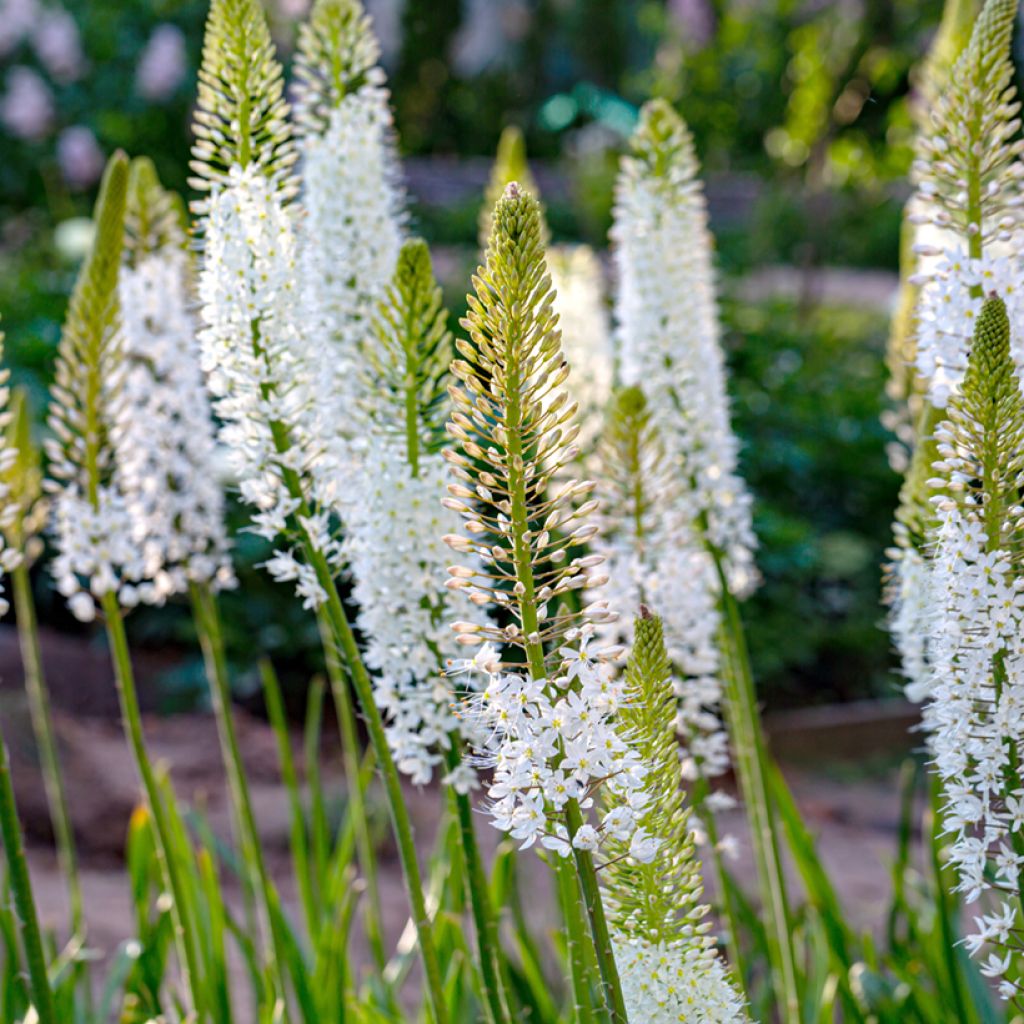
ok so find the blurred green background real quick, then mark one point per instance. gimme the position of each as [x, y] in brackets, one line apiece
[801, 113]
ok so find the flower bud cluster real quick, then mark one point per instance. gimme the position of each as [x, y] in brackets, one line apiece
[668, 332]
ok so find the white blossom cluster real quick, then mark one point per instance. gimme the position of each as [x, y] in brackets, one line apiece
[97, 553]
[164, 436]
[10, 557]
[668, 333]
[977, 730]
[353, 199]
[549, 741]
[950, 301]
[397, 556]
[658, 561]
[260, 365]
[676, 984]
[578, 283]
[910, 619]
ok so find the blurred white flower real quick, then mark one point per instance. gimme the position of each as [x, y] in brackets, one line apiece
[26, 108]
[163, 64]
[73, 237]
[16, 20]
[79, 156]
[58, 45]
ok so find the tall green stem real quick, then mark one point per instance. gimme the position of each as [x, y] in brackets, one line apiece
[530, 623]
[344, 638]
[184, 930]
[46, 740]
[356, 793]
[207, 619]
[575, 937]
[750, 754]
[24, 902]
[484, 918]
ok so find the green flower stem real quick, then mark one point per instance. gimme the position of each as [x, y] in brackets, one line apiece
[24, 902]
[346, 641]
[356, 790]
[750, 753]
[598, 923]
[184, 930]
[46, 740]
[725, 885]
[207, 619]
[484, 918]
[530, 622]
[575, 938]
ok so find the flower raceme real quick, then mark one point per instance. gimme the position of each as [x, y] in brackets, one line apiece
[164, 439]
[96, 548]
[11, 507]
[548, 704]
[965, 216]
[667, 331]
[667, 961]
[654, 556]
[261, 360]
[394, 533]
[976, 654]
[354, 203]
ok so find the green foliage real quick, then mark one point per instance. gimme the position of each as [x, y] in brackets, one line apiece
[657, 902]
[337, 49]
[409, 353]
[89, 352]
[821, 539]
[241, 116]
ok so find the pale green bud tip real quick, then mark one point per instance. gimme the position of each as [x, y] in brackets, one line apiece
[992, 334]
[662, 137]
[516, 214]
[648, 657]
[110, 205]
[511, 155]
[628, 403]
[414, 261]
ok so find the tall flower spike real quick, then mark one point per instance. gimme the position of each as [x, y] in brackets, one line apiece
[547, 714]
[27, 508]
[96, 549]
[241, 117]
[515, 428]
[654, 556]
[167, 457]
[408, 356]
[977, 656]
[261, 360]
[577, 281]
[974, 124]
[10, 507]
[667, 961]
[668, 332]
[394, 533]
[967, 208]
[351, 189]
[957, 225]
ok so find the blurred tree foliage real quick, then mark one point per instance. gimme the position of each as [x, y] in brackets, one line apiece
[807, 404]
